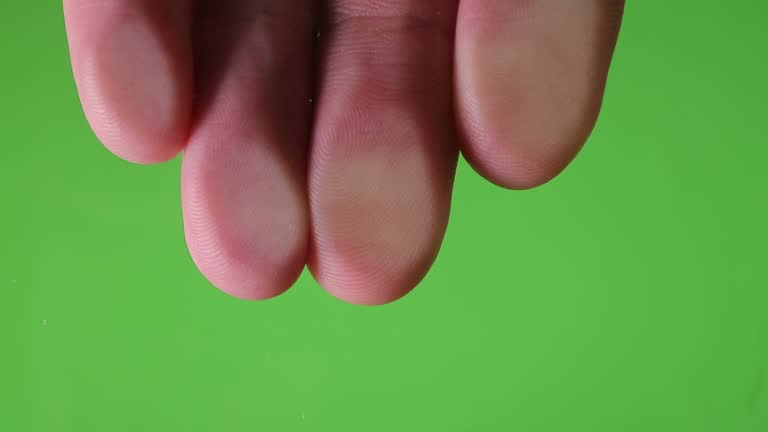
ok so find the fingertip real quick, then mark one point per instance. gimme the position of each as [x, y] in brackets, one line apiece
[530, 77]
[136, 96]
[132, 66]
[256, 258]
[368, 278]
[371, 295]
[379, 216]
[372, 245]
[245, 217]
[142, 151]
[514, 167]
[243, 278]
[380, 203]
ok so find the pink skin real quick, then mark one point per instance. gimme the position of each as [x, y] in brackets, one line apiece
[346, 164]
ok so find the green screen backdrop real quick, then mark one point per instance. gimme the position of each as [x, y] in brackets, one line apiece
[630, 294]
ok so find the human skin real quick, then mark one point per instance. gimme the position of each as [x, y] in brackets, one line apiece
[327, 133]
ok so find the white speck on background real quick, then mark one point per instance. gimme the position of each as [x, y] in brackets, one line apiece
[45, 323]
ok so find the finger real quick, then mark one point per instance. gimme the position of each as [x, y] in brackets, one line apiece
[530, 79]
[243, 174]
[384, 151]
[133, 69]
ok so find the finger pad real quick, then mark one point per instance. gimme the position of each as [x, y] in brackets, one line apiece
[530, 77]
[133, 72]
[245, 219]
[380, 211]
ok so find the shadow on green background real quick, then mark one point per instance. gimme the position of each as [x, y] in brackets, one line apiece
[630, 294]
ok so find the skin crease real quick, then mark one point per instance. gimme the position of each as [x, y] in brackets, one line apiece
[327, 133]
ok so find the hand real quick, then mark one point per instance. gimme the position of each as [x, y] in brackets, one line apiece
[327, 132]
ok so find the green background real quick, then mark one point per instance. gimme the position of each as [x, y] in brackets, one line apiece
[630, 294]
